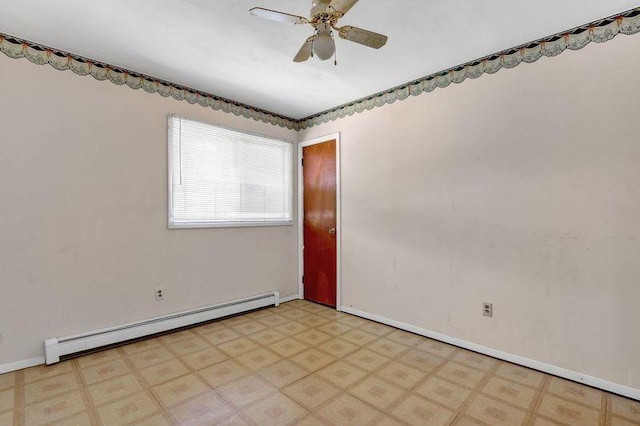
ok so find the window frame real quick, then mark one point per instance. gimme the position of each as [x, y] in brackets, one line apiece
[224, 224]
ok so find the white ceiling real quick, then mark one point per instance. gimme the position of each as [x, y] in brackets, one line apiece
[216, 46]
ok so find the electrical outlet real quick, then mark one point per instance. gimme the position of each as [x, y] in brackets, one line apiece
[159, 293]
[487, 309]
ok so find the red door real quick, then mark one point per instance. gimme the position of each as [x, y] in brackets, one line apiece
[319, 186]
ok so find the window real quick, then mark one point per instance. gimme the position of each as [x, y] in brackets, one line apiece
[223, 177]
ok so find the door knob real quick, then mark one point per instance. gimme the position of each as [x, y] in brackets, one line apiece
[332, 231]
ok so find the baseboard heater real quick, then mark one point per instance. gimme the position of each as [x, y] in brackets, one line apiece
[57, 347]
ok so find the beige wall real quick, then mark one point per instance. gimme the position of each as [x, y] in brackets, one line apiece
[520, 188]
[83, 216]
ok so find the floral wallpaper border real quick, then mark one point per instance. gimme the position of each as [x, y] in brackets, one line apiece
[600, 31]
[60, 60]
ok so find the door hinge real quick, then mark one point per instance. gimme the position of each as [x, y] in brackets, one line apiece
[303, 279]
[302, 162]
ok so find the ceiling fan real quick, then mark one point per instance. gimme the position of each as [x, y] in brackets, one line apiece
[324, 18]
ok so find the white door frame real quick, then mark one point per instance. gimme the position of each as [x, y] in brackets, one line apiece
[301, 145]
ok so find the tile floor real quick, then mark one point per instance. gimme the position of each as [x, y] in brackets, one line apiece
[303, 364]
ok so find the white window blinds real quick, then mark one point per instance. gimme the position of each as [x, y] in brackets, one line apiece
[222, 177]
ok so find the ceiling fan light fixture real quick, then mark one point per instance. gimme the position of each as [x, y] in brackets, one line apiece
[324, 46]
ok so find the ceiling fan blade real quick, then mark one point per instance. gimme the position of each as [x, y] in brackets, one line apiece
[274, 15]
[342, 6]
[364, 37]
[305, 51]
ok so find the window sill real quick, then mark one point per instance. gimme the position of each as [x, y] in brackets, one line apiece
[196, 225]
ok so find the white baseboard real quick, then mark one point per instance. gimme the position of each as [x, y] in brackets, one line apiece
[515, 359]
[19, 365]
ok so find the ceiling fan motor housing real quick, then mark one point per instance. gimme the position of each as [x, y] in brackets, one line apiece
[319, 6]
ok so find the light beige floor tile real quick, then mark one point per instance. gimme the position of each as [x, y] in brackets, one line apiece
[387, 347]
[105, 371]
[495, 413]
[127, 410]
[418, 411]
[273, 320]
[188, 346]
[510, 392]
[295, 314]
[443, 392]
[404, 337]
[313, 359]
[177, 336]
[237, 347]
[401, 374]
[151, 357]
[222, 335]
[359, 337]
[246, 390]
[53, 409]
[575, 392]
[141, 346]
[377, 392]
[236, 420]
[99, 358]
[352, 321]
[205, 409]
[332, 314]
[163, 372]
[436, 348]
[258, 359]
[223, 372]
[179, 390]
[113, 389]
[367, 360]
[314, 320]
[81, 419]
[348, 410]
[461, 374]
[474, 360]
[48, 388]
[462, 420]
[567, 412]
[205, 358]
[235, 320]
[620, 421]
[153, 420]
[377, 328]
[249, 327]
[338, 347]
[310, 420]
[6, 419]
[626, 408]
[316, 308]
[541, 421]
[46, 371]
[6, 399]
[275, 410]
[306, 357]
[283, 373]
[291, 328]
[313, 337]
[342, 374]
[312, 391]
[267, 337]
[385, 420]
[421, 360]
[335, 329]
[288, 347]
[518, 374]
